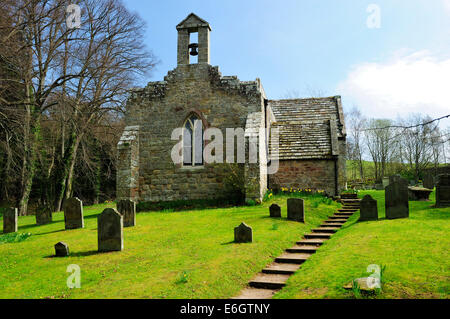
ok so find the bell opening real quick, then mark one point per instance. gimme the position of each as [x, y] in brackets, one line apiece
[193, 48]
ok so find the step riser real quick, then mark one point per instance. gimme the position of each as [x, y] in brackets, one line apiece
[289, 261]
[307, 243]
[277, 272]
[318, 236]
[301, 250]
[338, 217]
[328, 231]
[266, 285]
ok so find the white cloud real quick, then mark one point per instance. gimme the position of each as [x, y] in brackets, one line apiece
[416, 82]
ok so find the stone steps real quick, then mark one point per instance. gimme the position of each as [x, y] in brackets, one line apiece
[274, 276]
[302, 249]
[336, 221]
[338, 225]
[316, 241]
[269, 281]
[318, 235]
[292, 258]
[327, 229]
[256, 293]
[344, 214]
[281, 268]
[339, 217]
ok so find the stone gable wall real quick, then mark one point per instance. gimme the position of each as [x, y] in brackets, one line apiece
[160, 107]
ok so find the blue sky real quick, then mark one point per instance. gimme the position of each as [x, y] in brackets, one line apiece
[320, 46]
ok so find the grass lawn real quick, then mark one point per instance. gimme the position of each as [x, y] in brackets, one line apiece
[186, 254]
[415, 252]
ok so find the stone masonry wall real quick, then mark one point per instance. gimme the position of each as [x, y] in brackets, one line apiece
[301, 174]
[159, 108]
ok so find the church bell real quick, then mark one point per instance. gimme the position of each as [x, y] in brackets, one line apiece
[193, 47]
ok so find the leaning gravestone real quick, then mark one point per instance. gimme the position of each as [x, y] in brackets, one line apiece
[428, 181]
[296, 209]
[443, 190]
[10, 220]
[73, 213]
[396, 200]
[275, 210]
[61, 249]
[243, 234]
[110, 230]
[43, 216]
[127, 208]
[368, 209]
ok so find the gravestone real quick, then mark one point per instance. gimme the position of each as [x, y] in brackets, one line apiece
[61, 249]
[368, 209]
[275, 210]
[43, 216]
[443, 190]
[396, 200]
[110, 230]
[127, 208]
[73, 213]
[296, 209]
[428, 181]
[398, 178]
[385, 182]
[10, 220]
[379, 187]
[243, 234]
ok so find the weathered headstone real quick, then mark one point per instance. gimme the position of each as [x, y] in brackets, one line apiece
[73, 213]
[243, 234]
[368, 209]
[385, 182]
[127, 208]
[296, 209]
[379, 187]
[396, 200]
[275, 210]
[10, 220]
[398, 178]
[443, 190]
[110, 230]
[61, 249]
[428, 181]
[43, 216]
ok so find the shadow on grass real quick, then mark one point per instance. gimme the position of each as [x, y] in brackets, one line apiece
[50, 232]
[228, 243]
[78, 254]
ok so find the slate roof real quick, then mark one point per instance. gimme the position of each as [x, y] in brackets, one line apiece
[308, 128]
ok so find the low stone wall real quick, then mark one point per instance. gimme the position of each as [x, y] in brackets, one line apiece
[301, 174]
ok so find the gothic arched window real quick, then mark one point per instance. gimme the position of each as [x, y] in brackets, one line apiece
[193, 141]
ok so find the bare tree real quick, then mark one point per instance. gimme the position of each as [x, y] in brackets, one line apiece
[417, 142]
[355, 127]
[381, 144]
[82, 72]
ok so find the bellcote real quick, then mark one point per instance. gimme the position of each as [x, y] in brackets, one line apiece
[193, 24]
